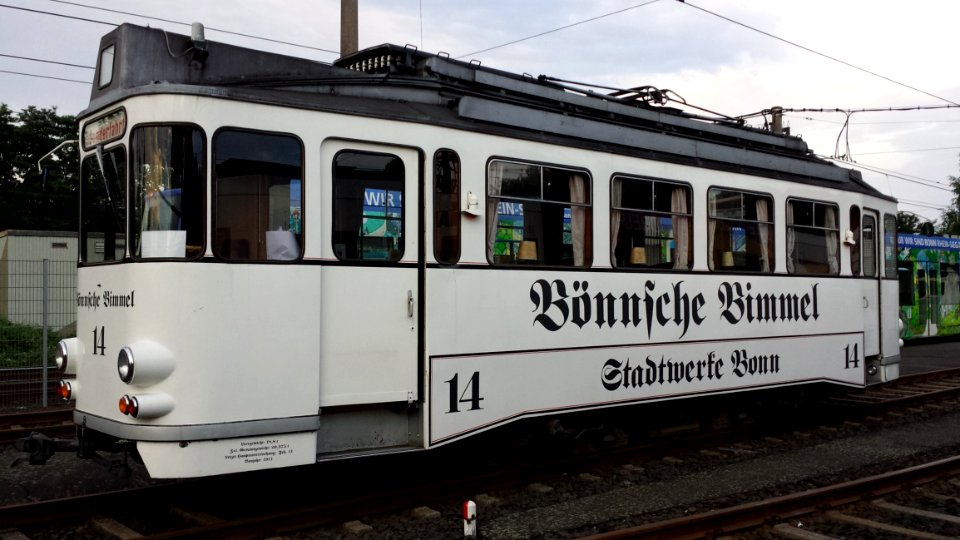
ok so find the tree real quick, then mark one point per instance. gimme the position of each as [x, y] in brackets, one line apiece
[30, 198]
[950, 218]
[908, 222]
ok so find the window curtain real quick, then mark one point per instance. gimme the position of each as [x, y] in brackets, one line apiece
[578, 217]
[712, 232]
[494, 184]
[833, 240]
[791, 239]
[681, 229]
[617, 195]
[763, 216]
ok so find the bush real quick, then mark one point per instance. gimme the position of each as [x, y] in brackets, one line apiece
[21, 345]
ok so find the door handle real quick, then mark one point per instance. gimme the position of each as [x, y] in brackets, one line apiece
[409, 303]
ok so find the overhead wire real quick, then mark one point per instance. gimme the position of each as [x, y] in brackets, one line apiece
[564, 27]
[818, 53]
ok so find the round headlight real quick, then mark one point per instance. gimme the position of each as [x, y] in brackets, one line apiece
[125, 364]
[61, 356]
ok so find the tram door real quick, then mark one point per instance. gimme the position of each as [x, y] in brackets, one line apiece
[928, 296]
[872, 262]
[369, 290]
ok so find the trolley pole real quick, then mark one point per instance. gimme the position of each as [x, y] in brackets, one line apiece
[349, 33]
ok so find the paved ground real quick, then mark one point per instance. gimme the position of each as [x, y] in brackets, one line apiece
[922, 356]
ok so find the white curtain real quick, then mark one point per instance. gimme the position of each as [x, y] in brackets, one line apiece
[791, 239]
[712, 231]
[681, 228]
[615, 220]
[833, 240]
[578, 217]
[763, 216]
[494, 183]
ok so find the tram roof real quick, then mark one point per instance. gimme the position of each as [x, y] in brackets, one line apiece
[402, 83]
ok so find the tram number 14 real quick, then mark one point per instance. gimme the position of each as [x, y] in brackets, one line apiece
[99, 334]
[470, 394]
[853, 356]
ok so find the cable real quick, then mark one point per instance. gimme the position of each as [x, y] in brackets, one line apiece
[44, 76]
[913, 150]
[78, 4]
[898, 175]
[45, 61]
[591, 19]
[828, 57]
[84, 19]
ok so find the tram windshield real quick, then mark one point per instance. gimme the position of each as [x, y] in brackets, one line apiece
[168, 192]
[103, 214]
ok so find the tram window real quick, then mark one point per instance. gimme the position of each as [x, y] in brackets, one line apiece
[103, 210]
[538, 215]
[650, 224]
[921, 283]
[855, 247]
[813, 238]
[890, 246]
[446, 206]
[258, 190]
[168, 182]
[740, 231]
[368, 206]
[869, 246]
[950, 284]
[905, 273]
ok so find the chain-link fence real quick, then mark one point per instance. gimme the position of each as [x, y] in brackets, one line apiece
[37, 309]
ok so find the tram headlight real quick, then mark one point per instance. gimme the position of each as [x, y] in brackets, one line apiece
[146, 405]
[67, 354]
[144, 362]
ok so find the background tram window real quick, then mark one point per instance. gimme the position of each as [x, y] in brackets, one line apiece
[538, 215]
[257, 181]
[446, 207]
[950, 283]
[813, 238]
[368, 206]
[740, 231]
[650, 224]
[905, 274]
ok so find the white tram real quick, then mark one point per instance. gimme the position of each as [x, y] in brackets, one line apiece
[284, 261]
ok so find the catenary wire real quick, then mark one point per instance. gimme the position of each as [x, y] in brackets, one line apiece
[45, 61]
[828, 57]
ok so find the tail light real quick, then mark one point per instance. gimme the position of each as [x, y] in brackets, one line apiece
[67, 390]
[146, 405]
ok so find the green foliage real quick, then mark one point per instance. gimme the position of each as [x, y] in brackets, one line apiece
[950, 218]
[908, 223]
[31, 198]
[21, 345]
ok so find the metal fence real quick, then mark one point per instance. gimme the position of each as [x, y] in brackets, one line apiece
[37, 309]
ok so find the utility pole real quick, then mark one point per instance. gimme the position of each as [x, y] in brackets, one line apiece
[349, 34]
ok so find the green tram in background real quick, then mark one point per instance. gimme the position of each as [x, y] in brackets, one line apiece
[929, 271]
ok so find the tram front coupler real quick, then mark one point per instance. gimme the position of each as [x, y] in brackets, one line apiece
[40, 448]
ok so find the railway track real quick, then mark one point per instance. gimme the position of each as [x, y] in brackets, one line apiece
[918, 502]
[271, 507]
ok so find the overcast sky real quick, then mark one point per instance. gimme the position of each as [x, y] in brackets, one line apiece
[734, 57]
